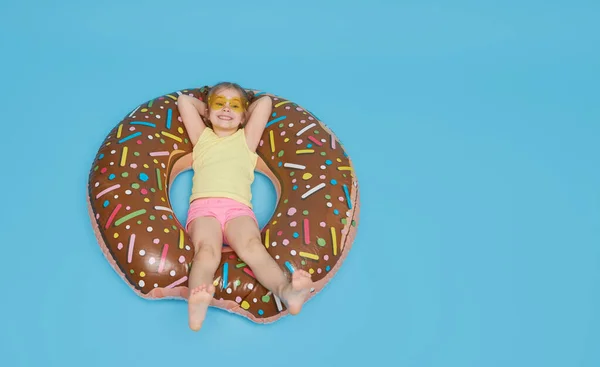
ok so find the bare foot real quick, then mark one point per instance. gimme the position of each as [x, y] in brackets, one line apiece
[198, 302]
[298, 291]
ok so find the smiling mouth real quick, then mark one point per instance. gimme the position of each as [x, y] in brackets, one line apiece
[223, 117]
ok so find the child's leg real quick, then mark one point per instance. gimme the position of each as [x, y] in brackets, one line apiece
[208, 240]
[243, 236]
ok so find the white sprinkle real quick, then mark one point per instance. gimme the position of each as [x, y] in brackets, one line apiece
[151, 261]
[313, 190]
[229, 291]
[250, 286]
[142, 252]
[305, 129]
[293, 252]
[155, 285]
[293, 165]
[163, 208]
[142, 283]
[278, 302]
[172, 273]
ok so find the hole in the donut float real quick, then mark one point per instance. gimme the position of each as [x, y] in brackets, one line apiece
[264, 197]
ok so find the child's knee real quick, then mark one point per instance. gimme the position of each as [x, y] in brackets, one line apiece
[207, 251]
[250, 247]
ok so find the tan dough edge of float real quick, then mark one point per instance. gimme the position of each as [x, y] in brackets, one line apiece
[183, 164]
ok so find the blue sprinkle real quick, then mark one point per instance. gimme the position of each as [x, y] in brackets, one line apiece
[274, 114]
[333, 182]
[170, 216]
[106, 203]
[296, 235]
[289, 266]
[279, 164]
[295, 187]
[101, 156]
[309, 146]
[261, 312]
[336, 212]
[328, 162]
[112, 176]
[327, 268]
[143, 177]
[345, 154]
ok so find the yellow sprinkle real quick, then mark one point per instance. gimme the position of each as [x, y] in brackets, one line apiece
[144, 110]
[339, 160]
[147, 200]
[305, 151]
[172, 97]
[306, 176]
[166, 230]
[157, 135]
[282, 103]
[167, 102]
[124, 156]
[267, 238]
[179, 129]
[163, 199]
[142, 274]
[116, 235]
[309, 255]
[177, 138]
[286, 140]
[272, 140]
[107, 144]
[311, 271]
[146, 165]
[274, 222]
[181, 238]
[245, 305]
[216, 282]
[344, 168]
[156, 161]
[334, 241]
[119, 131]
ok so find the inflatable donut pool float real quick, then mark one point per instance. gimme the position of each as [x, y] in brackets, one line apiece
[313, 226]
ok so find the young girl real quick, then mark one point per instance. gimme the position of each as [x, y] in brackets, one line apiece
[225, 133]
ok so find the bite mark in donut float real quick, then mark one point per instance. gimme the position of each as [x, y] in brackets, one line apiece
[313, 226]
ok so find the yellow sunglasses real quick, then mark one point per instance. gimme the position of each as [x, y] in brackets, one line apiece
[218, 102]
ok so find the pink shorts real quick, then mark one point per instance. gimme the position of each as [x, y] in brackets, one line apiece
[223, 209]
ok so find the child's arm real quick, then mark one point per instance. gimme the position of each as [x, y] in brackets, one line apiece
[258, 116]
[192, 110]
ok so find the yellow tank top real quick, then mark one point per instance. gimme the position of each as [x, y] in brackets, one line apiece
[223, 167]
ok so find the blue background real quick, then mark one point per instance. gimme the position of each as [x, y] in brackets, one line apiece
[473, 126]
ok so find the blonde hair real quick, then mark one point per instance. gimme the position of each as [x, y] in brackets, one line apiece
[227, 85]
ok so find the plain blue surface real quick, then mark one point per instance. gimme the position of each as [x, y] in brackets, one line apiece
[473, 126]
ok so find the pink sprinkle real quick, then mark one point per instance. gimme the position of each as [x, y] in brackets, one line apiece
[322, 177]
[298, 109]
[175, 146]
[182, 259]
[238, 299]
[291, 211]
[132, 128]
[326, 257]
[163, 257]
[299, 141]
[285, 242]
[302, 121]
[322, 224]
[294, 181]
[341, 198]
[279, 233]
[310, 118]
[120, 246]
[231, 257]
[282, 133]
[164, 217]
[139, 142]
[179, 119]
[133, 165]
[127, 207]
[319, 270]
[293, 224]
[287, 107]
[156, 241]
[103, 170]
[131, 245]
[97, 216]
[261, 142]
[144, 191]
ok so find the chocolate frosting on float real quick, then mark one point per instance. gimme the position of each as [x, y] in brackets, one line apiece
[313, 226]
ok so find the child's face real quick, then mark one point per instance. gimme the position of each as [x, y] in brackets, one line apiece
[226, 109]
